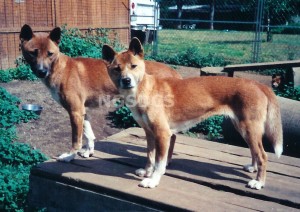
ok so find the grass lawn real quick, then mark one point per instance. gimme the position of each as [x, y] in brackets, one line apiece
[234, 46]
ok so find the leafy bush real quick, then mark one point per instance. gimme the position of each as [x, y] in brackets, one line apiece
[76, 43]
[122, 117]
[289, 92]
[9, 111]
[212, 127]
[192, 58]
[5, 76]
[21, 72]
[16, 158]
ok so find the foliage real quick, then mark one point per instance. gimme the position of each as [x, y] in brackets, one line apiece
[289, 92]
[21, 72]
[122, 117]
[16, 158]
[212, 127]
[192, 58]
[9, 111]
[76, 43]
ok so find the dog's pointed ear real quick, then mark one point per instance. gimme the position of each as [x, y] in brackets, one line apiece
[136, 47]
[108, 53]
[26, 33]
[55, 35]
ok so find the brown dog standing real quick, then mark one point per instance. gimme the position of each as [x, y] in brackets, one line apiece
[75, 83]
[165, 106]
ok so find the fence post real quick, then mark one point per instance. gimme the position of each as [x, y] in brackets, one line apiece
[156, 28]
[258, 31]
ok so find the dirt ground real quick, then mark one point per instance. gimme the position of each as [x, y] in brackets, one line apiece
[51, 133]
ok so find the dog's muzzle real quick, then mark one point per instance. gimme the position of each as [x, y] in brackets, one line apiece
[126, 83]
[41, 72]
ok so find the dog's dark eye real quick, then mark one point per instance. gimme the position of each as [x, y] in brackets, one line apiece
[34, 53]
[50, 54]
[133, 66]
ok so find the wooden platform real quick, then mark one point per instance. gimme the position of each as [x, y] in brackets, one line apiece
[204, 175]
[230, 69]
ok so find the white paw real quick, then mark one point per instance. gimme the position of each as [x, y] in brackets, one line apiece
[67, 156]
[254, 184]
[86, 152]
[144, 172]
[140, 172]
[250, 168]
[149, 183]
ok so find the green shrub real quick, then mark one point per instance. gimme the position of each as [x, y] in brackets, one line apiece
[211, 127]
[289, 92]
[5, 76]
[21, 72]
[122, 117]
[75, 43]
[9, 111]
[16, 158]
[192, 57]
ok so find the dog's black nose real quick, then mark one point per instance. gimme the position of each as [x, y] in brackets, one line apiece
[41, 73]
[126, 81]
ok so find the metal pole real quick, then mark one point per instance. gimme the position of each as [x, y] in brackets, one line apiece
[156, 28]
[258, 30]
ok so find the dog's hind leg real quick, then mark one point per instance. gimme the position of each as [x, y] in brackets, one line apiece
[252, 167]
[88, 149]
[253, 133]
[171, 148]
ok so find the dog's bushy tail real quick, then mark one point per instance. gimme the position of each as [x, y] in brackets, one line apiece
[273, 126]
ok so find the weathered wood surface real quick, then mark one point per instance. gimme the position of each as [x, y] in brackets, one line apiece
[230, 69]
[202, 176]
[265, 65]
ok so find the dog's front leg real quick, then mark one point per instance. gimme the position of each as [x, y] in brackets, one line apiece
[162, 143]
[149, 168]
[76, 119]
[88, 149]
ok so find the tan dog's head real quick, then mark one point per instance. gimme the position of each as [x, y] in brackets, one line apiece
[40, 50]
[277, 80]
[127, 68]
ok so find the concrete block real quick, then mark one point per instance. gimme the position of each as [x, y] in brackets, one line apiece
[296, 71]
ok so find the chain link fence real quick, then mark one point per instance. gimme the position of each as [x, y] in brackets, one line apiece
[240, 31]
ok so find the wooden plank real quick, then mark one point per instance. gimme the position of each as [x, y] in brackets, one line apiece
[2, 14]
[267, 65]
[4, 51]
